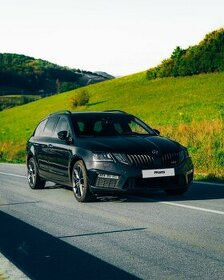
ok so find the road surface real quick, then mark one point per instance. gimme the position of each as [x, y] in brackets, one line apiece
[47, 234]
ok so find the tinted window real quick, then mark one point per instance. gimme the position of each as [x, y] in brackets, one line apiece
[81, 126]
[49, 128]
[136, 128]
[109, 125]
[40, 128]
[62, 125]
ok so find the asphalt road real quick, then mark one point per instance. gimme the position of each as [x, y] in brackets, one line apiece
[49, 235]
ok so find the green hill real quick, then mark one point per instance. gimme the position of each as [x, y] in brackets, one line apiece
[20, 74]
[206, 57]
[188, 109]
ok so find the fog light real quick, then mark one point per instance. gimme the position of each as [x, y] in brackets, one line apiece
[108, 176]
[107, 181]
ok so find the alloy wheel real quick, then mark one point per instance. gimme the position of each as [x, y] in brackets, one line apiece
[78, 181]
[31, 173]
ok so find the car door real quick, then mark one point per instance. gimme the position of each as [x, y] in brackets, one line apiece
[43, 146]
[60, 152]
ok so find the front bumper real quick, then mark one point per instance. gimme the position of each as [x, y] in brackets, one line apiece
[118, 177]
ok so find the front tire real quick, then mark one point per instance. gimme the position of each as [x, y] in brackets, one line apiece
[80, 184]
[34, 180]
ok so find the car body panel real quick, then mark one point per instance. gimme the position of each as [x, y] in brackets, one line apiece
[125, 144]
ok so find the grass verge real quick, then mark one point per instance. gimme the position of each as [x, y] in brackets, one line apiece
[187, 109]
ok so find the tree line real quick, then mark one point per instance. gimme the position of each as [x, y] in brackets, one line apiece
[27, 75]
[206, 57]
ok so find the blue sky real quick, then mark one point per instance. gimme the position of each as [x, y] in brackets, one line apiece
[120, 36]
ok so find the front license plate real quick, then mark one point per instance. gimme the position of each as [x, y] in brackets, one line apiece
[158, 173]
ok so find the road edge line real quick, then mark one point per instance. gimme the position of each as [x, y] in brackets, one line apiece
[9, 271]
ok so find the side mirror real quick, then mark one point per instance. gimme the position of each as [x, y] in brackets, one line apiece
[63, 135]
[156, 131]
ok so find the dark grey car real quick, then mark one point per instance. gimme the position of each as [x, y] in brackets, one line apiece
[105, 152]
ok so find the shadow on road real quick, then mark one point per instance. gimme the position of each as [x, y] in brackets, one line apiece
[42, 256]
[197, 191]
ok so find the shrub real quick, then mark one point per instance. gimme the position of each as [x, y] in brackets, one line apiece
[81, 98]
[207, 56]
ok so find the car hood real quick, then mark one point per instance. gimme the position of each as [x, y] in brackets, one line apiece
[130, 144]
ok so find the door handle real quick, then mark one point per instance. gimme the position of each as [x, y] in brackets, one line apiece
[50, 146]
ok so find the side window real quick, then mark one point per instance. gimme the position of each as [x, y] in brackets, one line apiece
[62, 125]
[40, 128]
[49, 128]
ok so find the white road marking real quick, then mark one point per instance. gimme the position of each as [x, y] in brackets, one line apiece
[162, 202]
[192, 207]
[14, 175]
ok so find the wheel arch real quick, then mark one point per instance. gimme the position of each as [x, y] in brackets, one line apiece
[73, 161]
[28, 157]
[30, 154]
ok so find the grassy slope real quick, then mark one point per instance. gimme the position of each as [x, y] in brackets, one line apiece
[189, 109]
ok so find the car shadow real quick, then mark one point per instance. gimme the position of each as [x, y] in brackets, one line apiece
[197, 191]
[42, 256]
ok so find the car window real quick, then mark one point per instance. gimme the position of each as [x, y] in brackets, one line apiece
[62, 125]
[50, 125]
[40, 128]
[109, 125]
[136, 128]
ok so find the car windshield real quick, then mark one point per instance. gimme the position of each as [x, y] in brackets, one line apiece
[100, 125]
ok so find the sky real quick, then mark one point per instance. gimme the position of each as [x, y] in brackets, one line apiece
[120, 37]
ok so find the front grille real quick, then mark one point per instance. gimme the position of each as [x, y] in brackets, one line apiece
[170, 159]
[143, 161]
[149, 161]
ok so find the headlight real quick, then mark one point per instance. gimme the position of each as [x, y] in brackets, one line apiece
[102, 157]
[121, 158]
[183, 154]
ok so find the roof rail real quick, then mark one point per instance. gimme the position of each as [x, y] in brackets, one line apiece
[116, 111]
[61, 112]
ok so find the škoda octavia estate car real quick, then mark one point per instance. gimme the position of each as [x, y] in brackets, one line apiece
[105, 152]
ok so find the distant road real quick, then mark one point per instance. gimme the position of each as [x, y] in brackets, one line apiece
[49, 235]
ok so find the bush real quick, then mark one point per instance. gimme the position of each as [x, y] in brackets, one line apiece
[81, 98]
[206, 57]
